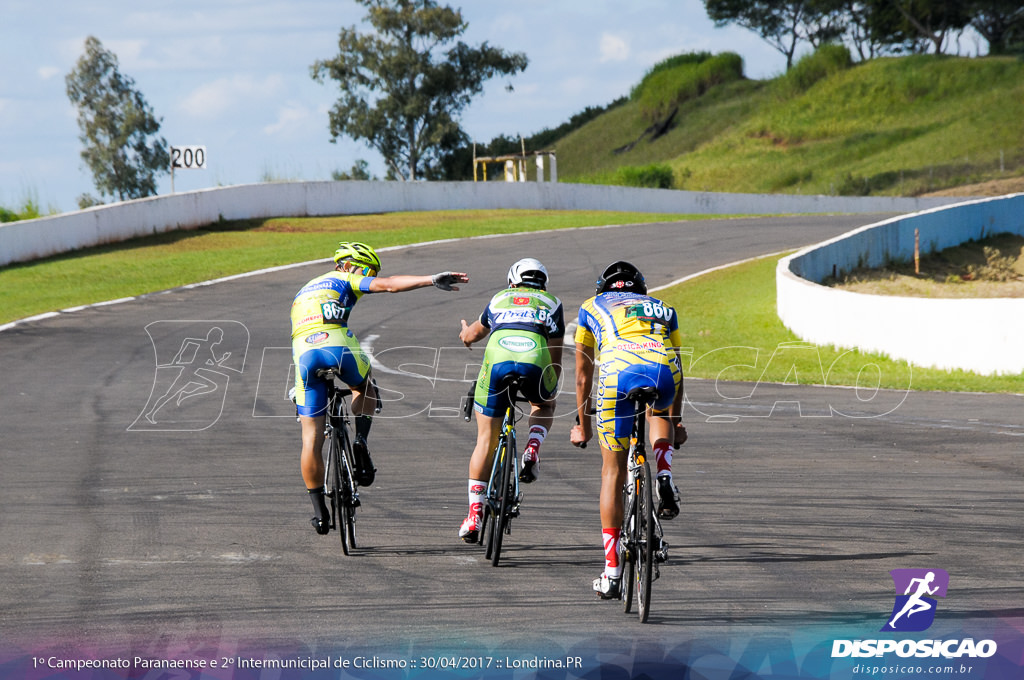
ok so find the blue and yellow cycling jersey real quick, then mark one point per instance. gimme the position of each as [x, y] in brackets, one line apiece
[326, 302]
[321, 338]
[635, 338]
[628, 326]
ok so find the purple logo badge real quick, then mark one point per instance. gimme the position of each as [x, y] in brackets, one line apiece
[914, 609]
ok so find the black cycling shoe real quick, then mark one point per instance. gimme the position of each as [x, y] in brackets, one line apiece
[322, 526]
[607, 587]
[364, 473]
[668, 498]
[530, 471]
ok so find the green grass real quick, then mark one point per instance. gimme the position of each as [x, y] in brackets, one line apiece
[728, 319]
[888, 126]
[166, 261]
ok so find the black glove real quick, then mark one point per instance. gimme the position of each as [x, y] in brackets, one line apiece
[444, 281]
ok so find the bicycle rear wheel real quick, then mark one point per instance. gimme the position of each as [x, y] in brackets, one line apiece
[502, 519]
[348, 490]
[628, 539]
[335, 474]
[645, 542]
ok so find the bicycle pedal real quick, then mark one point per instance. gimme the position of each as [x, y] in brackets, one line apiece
[356, 502]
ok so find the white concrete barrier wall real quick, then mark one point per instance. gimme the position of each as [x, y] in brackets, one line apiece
[985, 336]
[32, 239]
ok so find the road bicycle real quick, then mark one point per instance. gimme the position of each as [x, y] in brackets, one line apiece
[339, 474]
[503, 496]
[641, 544]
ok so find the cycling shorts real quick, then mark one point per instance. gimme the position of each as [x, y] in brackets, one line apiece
[335, 347]
[514, 353]
[614, 413]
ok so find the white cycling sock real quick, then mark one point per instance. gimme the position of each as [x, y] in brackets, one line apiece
[477, 491]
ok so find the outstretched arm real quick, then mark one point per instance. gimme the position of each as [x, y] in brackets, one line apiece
[403, 282]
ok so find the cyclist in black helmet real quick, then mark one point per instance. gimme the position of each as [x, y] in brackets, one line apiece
[636, 339]
[526, 328]
[321, 339]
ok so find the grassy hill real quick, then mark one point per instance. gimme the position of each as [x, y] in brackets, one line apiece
[889, 126]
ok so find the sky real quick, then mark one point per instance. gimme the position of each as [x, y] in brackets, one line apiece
[234, 76]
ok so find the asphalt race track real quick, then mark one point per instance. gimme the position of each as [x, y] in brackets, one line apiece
[139, 524]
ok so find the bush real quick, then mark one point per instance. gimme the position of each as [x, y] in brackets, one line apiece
[29, 211]
[654, 176]
[827, 60]
[671, 83]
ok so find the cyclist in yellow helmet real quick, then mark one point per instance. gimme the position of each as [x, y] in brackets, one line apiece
[321, 338]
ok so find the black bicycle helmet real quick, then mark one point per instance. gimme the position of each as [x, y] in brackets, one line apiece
[623, 277]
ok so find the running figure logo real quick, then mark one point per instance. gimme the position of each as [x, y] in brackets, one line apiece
[914, 609]
[195, 360]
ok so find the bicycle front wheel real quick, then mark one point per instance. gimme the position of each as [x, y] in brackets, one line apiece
[645, 542]
[501, 520]
[335, 485]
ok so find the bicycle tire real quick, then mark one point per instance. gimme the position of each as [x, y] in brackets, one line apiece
[645, 544]
[491, 504]
[335, 470]
[627, 538]
[501, 520]
[348, 510]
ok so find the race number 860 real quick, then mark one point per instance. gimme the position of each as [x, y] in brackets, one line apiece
[188, 157]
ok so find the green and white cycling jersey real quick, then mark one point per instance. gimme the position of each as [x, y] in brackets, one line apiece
[524, 309]
[521, 321]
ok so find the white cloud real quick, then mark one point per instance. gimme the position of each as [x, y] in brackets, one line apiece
[47, 72]
[217, 97]
[290, 118]
[613, 48]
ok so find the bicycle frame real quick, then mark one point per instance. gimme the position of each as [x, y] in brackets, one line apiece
[640, 555]
[503, 495]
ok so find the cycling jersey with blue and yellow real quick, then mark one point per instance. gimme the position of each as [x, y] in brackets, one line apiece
[629, 327]
[321, 337]
[326, 302]
[635, 338]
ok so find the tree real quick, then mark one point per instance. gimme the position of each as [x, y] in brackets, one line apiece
[934, 19]
[117, 126]
[1000, 22]
[404, 85]
[782, 23]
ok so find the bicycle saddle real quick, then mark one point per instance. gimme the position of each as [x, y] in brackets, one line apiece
[643, 395]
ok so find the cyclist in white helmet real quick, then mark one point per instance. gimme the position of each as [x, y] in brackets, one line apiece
[321, 339]
[526, 329]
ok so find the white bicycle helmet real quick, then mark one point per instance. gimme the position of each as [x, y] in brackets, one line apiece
[528, 272]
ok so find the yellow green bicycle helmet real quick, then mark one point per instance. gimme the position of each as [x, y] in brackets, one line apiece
[360, 253]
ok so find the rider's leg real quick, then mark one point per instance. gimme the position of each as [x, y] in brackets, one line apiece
[541, 417]
[312, 464]
[613, 476]
[662, 435]
[364, 401]
[479, 472]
